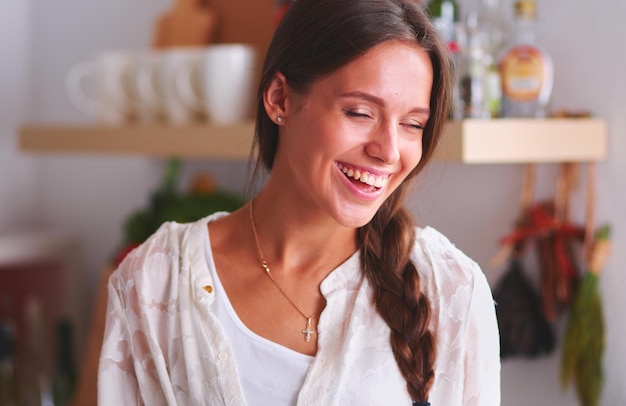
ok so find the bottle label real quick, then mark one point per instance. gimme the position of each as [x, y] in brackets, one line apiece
[523, 72]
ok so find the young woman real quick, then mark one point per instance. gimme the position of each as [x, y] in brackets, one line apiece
[320, 291]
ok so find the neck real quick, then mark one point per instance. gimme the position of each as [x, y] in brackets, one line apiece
[293, 241]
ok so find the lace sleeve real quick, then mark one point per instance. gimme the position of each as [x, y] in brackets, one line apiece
[133, 367]
[482, 361]
[117, 380]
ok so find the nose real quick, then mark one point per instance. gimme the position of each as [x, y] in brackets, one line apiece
[383, 144]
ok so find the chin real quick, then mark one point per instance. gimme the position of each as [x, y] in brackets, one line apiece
[351, 221]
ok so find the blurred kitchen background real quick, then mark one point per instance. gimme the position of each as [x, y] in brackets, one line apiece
[81, 201]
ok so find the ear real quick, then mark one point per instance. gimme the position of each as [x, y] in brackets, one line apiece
[275, 97]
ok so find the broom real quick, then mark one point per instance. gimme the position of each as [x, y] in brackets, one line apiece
[583, 342]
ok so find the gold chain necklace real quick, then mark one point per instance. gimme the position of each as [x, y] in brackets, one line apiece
[308, 331]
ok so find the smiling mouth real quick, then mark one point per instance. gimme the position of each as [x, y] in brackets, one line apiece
[366, 178]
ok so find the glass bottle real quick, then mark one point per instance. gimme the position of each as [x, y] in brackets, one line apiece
[480, 85]
[445, 15]
[526, 69]
[473, 86]
[490, 20]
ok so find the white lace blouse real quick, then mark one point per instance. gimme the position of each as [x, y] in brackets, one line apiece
[163, 344]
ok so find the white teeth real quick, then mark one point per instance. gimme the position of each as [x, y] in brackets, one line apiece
[364, 177]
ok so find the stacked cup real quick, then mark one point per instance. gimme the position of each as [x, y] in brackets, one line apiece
[101, 87]
[176, 85]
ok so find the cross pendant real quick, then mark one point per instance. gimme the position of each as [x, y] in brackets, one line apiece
[307, 331]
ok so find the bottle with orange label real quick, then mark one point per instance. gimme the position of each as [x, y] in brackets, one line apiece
[526, 70]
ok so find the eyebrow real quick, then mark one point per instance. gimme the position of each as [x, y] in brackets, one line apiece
[380, 102]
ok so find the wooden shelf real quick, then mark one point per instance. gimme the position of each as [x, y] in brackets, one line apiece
[467, 141]
[188, 141]
[524, 140]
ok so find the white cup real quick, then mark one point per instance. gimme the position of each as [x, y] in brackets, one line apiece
[101, 87]
[146, 86]
[221, 85]
[171, 62]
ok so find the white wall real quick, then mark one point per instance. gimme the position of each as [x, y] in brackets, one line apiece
[17, 173]
[592, 75]
[93, 195]
[88, 195]
[473, 205]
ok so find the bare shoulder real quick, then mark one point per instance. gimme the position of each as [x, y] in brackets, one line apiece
[230, 245]
[226, 233]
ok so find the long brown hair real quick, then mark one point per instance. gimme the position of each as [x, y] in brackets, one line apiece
[315, 38]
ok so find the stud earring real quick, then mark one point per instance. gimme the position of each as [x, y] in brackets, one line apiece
[279, 119]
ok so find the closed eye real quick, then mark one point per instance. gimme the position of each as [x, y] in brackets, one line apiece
[357, 113]
[416, 126]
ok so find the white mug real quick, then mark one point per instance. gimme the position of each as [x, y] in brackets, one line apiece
[107, 75]
[147, 87]
[221, 85]
[171, 62]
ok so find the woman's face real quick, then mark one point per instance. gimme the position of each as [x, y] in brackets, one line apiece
[352, 139]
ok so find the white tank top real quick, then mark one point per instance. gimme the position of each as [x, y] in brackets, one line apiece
[270, 374]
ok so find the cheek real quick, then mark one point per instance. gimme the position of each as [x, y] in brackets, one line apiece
[308, 145]
[412, 155]
[326, 138]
